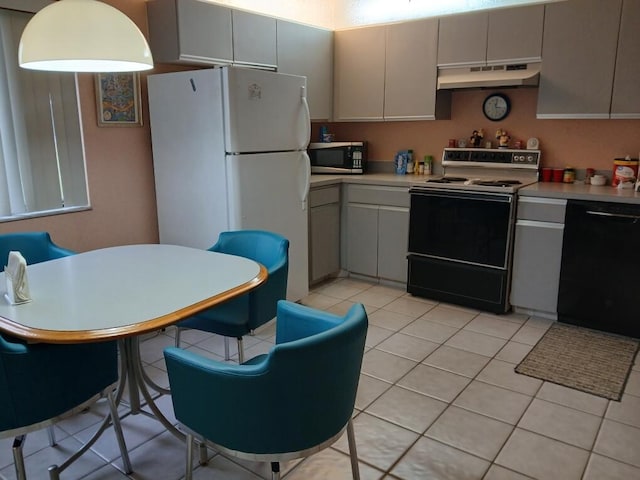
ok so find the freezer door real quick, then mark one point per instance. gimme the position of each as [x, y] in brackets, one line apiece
[269, 192]
[188, 156]
[264, 111]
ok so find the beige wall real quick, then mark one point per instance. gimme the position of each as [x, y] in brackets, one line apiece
[579, 143]
[120, 175]
[120, 169]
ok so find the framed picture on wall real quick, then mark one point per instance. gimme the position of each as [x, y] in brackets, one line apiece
[118, 99]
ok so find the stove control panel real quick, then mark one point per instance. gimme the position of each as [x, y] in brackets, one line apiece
[491, 157]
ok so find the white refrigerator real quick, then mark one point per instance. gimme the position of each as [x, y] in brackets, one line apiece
[229, 153]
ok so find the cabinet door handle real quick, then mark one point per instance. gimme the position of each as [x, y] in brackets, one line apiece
[609, 214]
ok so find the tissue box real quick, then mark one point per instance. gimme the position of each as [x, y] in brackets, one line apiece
[16, 279]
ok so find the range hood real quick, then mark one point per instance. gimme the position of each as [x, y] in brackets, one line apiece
[514, 75]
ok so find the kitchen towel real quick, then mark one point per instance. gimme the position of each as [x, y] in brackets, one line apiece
[16, 278]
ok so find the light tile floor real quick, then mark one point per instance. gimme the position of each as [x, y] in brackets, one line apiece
[438, 399]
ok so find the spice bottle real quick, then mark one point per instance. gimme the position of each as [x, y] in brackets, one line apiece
[428, 164]
[569, 175]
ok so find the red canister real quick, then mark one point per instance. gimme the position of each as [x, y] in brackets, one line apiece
[624, 170]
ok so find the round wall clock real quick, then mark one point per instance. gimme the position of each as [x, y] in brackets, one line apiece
[496, 107]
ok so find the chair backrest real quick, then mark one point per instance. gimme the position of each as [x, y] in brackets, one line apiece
[41, 381]
[298, 396]
[271, 250]
[321, 354]
[35, 247]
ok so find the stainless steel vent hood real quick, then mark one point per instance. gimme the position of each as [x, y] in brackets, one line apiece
[514, 75]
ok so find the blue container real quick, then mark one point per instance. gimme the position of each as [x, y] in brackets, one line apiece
[400, 162]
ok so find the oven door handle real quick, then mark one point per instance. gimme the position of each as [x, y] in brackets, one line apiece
[491, 197]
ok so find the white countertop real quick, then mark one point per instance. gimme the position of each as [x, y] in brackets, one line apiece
[386, 179]
[576, 191]
[580, 191]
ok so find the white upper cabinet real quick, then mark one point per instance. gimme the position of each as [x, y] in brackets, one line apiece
[359, 74]
[411, 72]
[515, 35]
[202, 33]
[625, 102]
[254, 39]
[308, 51]
[579, 55]
[462, 39]
[491, 37]
[388, 73]
[189, 31]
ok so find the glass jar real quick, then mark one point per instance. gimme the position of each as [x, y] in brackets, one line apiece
[569, 175]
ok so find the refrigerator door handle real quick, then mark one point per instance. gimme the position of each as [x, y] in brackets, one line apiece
[304, 141]
[307, 177]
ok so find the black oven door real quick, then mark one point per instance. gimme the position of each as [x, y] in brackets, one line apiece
[470, 227]
[460, 247]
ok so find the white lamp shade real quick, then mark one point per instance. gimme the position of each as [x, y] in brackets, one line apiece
[83, 36]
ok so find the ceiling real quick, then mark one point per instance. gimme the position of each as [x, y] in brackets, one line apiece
[342, 14]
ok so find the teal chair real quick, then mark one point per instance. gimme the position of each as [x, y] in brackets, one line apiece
[41, 384]
[35, 247]
[290, 403]
[242, 315]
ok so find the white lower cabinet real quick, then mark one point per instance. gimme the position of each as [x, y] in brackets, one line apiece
[324, 233]
[376, 228]
[537, 255]
[393, 242]
[362, 239]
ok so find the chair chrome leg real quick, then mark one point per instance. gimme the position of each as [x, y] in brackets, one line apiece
[54, 472]
[178, 330]
[189, 473]
[227, 357]
[353, 453]
[275, 471]
[117, 428]
[52, 436]
[18, 457]
[240, 351]
[203, 453]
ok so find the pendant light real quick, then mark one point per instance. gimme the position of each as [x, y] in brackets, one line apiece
[83, 36]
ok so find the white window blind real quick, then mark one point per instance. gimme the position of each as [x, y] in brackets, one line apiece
[42, 168]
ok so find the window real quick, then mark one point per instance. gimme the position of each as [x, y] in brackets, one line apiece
[42, 167]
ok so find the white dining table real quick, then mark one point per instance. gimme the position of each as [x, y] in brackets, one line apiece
[120, 293]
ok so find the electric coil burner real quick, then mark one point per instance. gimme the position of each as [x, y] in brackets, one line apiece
[461, 227]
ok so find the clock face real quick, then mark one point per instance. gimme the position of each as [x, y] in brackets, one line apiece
[496, 107]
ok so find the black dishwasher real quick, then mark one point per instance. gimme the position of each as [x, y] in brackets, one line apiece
[600, 271]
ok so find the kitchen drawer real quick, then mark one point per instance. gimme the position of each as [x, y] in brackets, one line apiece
[376, 195]
[324, 196]
[542, 209]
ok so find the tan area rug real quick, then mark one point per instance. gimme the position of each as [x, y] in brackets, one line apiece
[587, 360]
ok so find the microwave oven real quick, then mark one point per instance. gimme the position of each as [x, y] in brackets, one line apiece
[338, 157]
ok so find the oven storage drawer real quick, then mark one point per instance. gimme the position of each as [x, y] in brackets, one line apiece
[474, 286]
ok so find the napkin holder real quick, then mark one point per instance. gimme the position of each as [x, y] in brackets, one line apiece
[16, 279]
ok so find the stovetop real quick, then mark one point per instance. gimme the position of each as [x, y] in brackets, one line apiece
[487, 184]
[490, 170]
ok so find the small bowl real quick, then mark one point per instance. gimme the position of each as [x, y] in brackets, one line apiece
[598, 180]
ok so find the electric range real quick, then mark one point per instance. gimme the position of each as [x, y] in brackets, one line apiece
[489, 170]
[462, 224]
